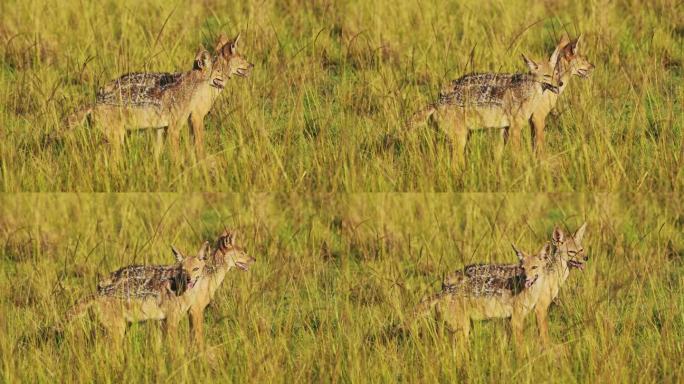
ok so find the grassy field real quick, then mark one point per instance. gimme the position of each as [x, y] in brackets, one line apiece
[332, 271]
[334, 82]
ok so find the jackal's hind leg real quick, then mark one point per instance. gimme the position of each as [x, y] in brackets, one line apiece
[115, 135]
[115, 327]
[457, 320]
[454, 125]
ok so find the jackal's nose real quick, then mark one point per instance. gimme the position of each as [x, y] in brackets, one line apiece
[560, 83]
[586, 258]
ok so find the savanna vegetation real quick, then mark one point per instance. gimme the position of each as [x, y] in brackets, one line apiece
[333, 272]
[334, 83]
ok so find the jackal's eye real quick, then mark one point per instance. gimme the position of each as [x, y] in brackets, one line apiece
[195, 269]
[572, 253]
[535, 267]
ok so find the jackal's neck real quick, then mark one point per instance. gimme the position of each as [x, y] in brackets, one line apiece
[558, 263]
[565, 73]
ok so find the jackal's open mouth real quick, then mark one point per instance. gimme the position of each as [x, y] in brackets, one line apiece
[242, 72]
[549, 87]
[583, 73]
[529, 283]
[241, 265]
[192, 283]
[576, 264]
[217, 83]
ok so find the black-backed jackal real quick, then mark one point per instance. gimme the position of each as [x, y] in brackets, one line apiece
[165, 100]
[490, 295]
[144, 292]
[570, 63]
[226, 256]
[566, 252]
[491, 100]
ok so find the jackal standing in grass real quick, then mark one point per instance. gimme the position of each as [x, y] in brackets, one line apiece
[166, 100]
[491, 100]
[570, 63]
[566, 252]
[144, 292]
[226, 256]
[490, 295]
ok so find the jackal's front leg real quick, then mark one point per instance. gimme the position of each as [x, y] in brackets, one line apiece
[197, 326]
[517, 323]
[174, 140]
[197, 130]
[515, 133]
[159, 142]
[540, 312]
[171, 325]
[537, 123]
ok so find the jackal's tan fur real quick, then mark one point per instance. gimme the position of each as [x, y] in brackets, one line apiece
[226, 256]
[165, 100]
[566, 253]
[144, 292]
[491, 100]
[490, 295]
[570, 63]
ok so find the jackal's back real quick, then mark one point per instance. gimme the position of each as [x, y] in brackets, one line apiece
[138, 89]
[487, 285]
[143, 281]
[483, 89]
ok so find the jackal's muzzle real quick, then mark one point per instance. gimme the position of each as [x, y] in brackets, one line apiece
[244, 265]
[577, 263]
[192, 283]
[244, 72]
[218, 83]
[551, 87]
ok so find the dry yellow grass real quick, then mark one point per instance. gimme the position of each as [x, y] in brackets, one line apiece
[333, 271]
[333, 85]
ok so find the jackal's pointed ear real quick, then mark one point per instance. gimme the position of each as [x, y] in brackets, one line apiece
[545, 251]
[220, 43]
[202, 59]
[558, 235]
[576, 45]
[530, 63]
[203, 251]
[519, 253]
[233, 44]
[579, 234]
[565, 40]
[555, 55]
[177, 254]
[230, 239]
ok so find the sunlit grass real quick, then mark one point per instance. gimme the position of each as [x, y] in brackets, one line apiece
[332, 273]
[333, 85]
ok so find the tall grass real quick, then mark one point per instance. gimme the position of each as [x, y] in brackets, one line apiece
[333, 85]
[332, 272]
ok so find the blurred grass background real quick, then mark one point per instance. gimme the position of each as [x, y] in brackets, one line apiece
[334, 82]
[334, 270]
